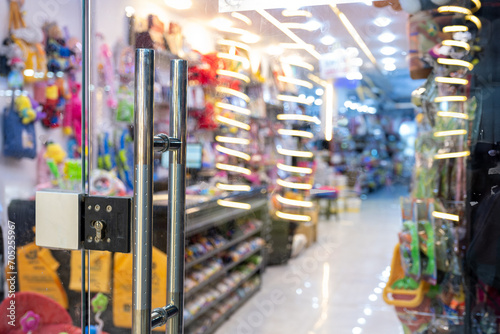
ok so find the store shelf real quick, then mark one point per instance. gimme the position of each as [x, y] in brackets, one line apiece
[221, 273]
[224, 247]
[226, 315]
[204, 309]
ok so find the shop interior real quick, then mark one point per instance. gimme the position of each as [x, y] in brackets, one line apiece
[340, 157]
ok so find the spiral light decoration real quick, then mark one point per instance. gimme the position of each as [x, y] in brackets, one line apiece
[459, 82]
[289, 203]
[233, 145]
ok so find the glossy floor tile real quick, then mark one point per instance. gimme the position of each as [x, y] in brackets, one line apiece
[335, 286]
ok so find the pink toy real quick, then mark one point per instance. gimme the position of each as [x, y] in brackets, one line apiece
[73, 113]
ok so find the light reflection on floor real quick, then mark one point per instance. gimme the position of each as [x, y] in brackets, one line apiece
[336, 285]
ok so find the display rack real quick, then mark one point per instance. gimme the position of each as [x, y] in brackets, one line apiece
[207, 215]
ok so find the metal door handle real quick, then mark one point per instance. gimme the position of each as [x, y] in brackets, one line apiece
[143, 320]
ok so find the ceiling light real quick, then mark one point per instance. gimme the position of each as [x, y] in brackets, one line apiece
[221, 22]
[250, 38]
[318, 102]
[388, 60]
[382, 21]
[386, 37]
[288, 32]
[313, 25]
[327, 40]
[388, 50]
[296, 12]
[354, 33]
[179, 4]
[242, 17]
[389, 67]
[320, 91]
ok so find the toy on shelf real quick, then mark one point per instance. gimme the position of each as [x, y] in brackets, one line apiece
[99, 305]
[408, 238]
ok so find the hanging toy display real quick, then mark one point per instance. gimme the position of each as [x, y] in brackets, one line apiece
[50, 108]
[25, 109]
[72, 121]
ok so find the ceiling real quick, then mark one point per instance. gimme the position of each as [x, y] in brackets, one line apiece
[396, 84]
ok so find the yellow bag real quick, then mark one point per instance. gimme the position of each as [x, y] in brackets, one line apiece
[34, 57]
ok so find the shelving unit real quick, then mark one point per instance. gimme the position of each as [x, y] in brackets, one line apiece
[222, 297]
[205, 216]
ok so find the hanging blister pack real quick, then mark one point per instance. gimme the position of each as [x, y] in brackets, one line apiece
[409, 242]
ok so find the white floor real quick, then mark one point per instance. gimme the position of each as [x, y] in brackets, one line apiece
[334, 287]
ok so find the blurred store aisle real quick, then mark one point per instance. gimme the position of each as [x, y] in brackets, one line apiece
[335, 285]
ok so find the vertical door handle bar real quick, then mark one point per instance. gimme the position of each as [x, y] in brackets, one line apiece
[142, 225]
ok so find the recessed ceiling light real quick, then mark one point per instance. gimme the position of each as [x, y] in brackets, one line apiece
[386, 37]
[388, 50]
[389, 67]
[388, 60]
[313, 25]
[320, 91]
[327, 40]
[179, 4]
[250, 38]
[318, 102]
[382, 21]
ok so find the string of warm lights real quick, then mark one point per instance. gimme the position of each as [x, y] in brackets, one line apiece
[454, 81]
[237, 110]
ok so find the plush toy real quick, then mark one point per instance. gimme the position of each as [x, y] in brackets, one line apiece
[72, 121]
[25, 109]
[37, 315]
[50, 109]
[55, 152]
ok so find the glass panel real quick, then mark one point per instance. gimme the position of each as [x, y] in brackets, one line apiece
[40, 104]
[341, 160]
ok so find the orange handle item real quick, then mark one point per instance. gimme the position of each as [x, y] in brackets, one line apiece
[399, 297]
